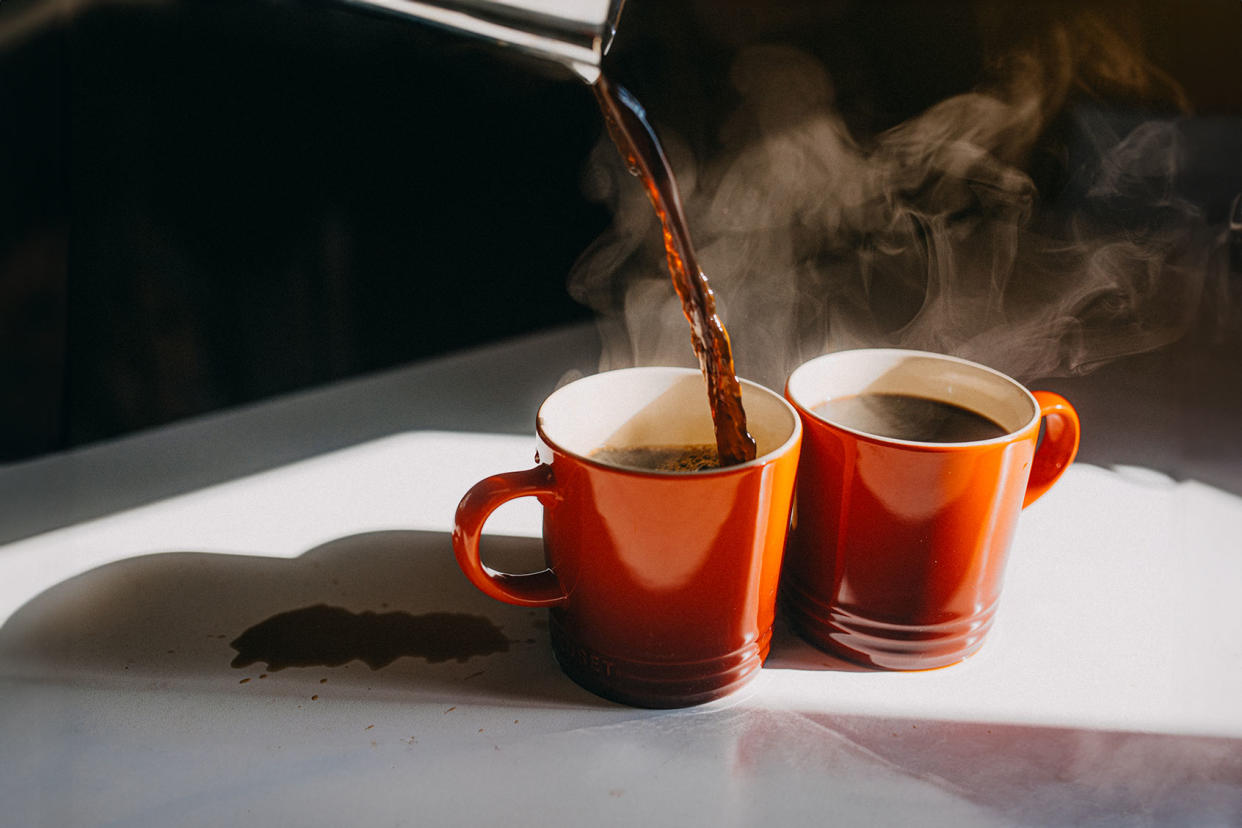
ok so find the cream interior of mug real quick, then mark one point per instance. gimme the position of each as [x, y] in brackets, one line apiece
[655, 406]
[915, 373]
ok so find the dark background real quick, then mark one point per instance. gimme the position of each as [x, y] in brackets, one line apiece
[208, 202]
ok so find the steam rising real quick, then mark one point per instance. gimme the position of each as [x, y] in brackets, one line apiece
[931, 235]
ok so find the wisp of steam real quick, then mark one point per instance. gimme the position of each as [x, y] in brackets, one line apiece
[931, 235]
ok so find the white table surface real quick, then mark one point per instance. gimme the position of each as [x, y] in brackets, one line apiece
[1109, 692]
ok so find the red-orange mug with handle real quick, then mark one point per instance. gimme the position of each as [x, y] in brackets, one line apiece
[914, 469]
[661, 584]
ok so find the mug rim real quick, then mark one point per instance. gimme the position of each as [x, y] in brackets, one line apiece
[783, 448]
[1010, 435]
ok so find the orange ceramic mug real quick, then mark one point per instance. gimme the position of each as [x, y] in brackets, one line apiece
[661, 585]
[914, 469]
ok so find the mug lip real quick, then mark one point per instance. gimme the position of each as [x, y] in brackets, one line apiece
[1008, 437]
[795, 434]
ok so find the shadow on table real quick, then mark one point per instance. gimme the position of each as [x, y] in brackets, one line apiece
[790, 652]
[1021, 774]
[376, 615]
[170, 621]
[382, 614]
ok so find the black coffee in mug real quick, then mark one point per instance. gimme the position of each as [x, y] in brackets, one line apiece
[675, 458]
[907, 417]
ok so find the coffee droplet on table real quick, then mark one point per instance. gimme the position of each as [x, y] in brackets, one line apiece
[326, 636]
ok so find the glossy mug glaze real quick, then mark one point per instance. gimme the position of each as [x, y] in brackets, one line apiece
[898, 547]
[661, 585]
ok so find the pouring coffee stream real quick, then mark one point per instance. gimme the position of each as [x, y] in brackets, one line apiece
[643, 154]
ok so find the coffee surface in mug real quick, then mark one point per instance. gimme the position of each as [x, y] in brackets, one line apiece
[907, 417]
[674, 458]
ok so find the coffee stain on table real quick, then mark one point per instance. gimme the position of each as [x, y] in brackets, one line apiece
[327, 636]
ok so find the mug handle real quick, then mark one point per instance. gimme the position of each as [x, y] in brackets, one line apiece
[1057, 448]
[535, 589]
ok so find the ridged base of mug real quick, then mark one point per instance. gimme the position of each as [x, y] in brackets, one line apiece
[883, 644]
[658, 684]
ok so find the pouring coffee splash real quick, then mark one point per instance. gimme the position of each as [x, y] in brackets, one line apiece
[645, 158]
